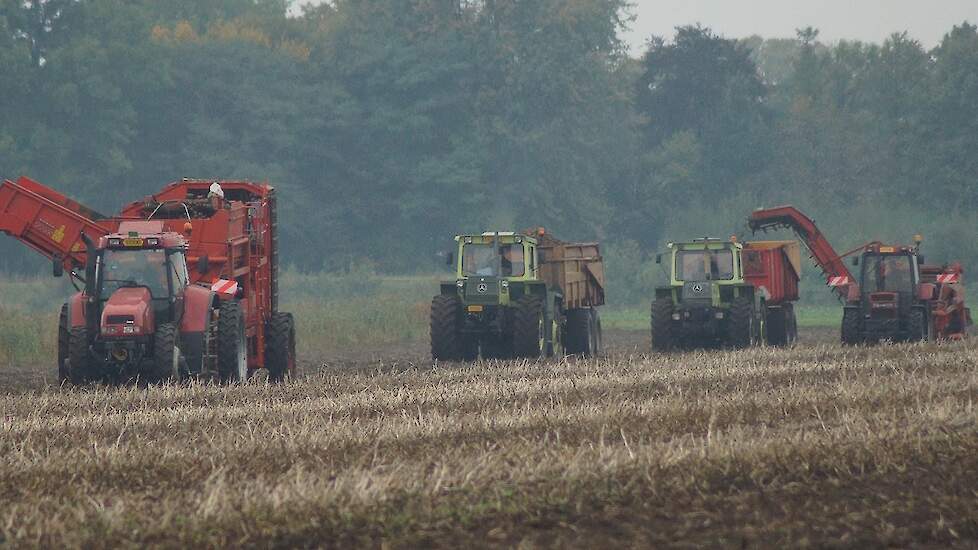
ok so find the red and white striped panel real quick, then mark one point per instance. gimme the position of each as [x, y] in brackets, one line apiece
[947, 278]
[838, 281]
[222, 286]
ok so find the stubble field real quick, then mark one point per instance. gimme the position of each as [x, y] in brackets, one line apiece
[815, 446]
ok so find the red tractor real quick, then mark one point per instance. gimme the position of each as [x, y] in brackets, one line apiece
[897, 297]
[181, 284]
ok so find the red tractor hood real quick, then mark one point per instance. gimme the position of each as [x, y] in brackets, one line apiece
[128, 307]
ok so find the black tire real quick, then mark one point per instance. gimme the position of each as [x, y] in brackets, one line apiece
[446, 339]
[232, 347]
[63, 337]
[597, 341]
[280, 347]
[528, 327]
[850, 327]
[777, 326]
[81, 364]
[917, 325]
[166, 355]
[580, 339]
[792, 322]
[741, 328]
[663, 335]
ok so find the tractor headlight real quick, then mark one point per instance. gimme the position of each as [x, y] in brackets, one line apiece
[460, 283]
[129, 329]
[719, 315]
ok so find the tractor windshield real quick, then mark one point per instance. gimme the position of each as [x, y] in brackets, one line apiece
[480, 259]
[134, 268]
[704, 265]
[888, 273]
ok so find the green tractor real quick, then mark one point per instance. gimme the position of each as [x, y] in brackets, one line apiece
[507, 300]
[724, 293]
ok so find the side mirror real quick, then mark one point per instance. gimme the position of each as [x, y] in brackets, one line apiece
[855, 261]
[450, 258]
[57, 268]
[203, 264]
[658, 259]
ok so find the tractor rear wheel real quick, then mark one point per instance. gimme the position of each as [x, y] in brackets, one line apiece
[232, 347]
[80, 369]
[446, 339]
[663, 337]
[166, 355]
[742, 327]
[529, 332]
[280, 347]
[777, 326]
[850, 327]
[917, 326]
[580, 337]
[63, 336]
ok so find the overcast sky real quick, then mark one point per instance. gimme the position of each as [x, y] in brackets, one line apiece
[867, 20]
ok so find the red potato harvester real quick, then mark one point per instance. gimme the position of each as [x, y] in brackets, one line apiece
[181, 284]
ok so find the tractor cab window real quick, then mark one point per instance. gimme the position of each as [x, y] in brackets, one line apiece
[704, 265]
[482, 260]
[134, 268]
[513, 264]
[888, 273]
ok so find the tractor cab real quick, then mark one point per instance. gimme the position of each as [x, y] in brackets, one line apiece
[489, 265]
[887, 293]
[703, 266]
[140, 275]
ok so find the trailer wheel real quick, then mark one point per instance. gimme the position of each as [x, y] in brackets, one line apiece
[80, 368]
[777, 326]
[529, 332]
[446, 341]
[280, 347]
[792, 324]
[63, 336]
[232, 348]
[663, 337]
[918, 326]
[742, 329]
[579, 336]
[166, 355]
[850, 327]
[597, 339]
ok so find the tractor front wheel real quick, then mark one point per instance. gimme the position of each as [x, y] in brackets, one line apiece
[918, 326]
[166, 355]
[446, 339]
[80, 369]
[232, 347]
[663, 338]
[63, 336]
[280, 347]
[529, 335]
[850, 327]
[742, 329]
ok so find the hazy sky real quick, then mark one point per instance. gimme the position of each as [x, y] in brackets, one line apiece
[867, 20]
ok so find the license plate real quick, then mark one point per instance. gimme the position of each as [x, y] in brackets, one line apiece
[475, 309]
[132, 242]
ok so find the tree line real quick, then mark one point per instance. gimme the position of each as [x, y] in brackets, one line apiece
[391, 125]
